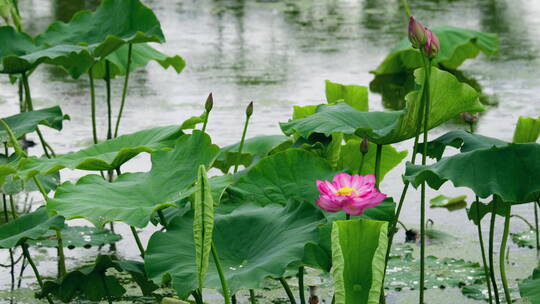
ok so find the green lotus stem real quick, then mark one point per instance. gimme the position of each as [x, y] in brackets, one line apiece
[406, 7]
[108, 88]
[392, 229]
[40, 187]
[34, 268]
[233, 299]
[12, 270]
[502, 264]
[197, 297]
[124, 90]
[490, 252]
[222, 279]
[252, 298]
[13, 209]
[93, 105]
[61, 256]
[536, 225]
[137, 240]
[18, 150]
[249, 111]
[162, 219]
[483, 251]
[301, 285]
[378, 166]
[427, 71]
[22, 107]
[531, 227]
[287, 290]
[30, 107]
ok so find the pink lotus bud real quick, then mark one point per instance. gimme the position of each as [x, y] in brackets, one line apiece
[469, 117]
[433, 45]
[417, 33]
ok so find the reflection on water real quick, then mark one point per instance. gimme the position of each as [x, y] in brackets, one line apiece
[278, 54]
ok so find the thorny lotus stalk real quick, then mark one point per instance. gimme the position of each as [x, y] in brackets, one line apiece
[108, 98]
[502, 263]
[93, 105]
[224, 286]
[301, 289]
[287, 290]
[61, 256]
[490, 251]
[483, 252]
[536, 204]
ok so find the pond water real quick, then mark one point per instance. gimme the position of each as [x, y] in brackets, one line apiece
[278, 54]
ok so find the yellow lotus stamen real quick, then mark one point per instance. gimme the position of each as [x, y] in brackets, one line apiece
[345, 191]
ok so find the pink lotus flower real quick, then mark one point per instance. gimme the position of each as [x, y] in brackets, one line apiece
[353, 194]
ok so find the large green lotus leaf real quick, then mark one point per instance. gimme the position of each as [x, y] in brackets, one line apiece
[281, 177]
[28, 122]
[19, 53]
[342, 118]
[527, 130]
[107, 155]
[354, 95]
[462, 140]
[141, 54]
[5, 171]
[77, 236]
[457, 45]
[29, 226]
[113, 24]
[13, 185]
[358, 256]
[254, 149]
[253, 243]
[448, 96]
[351, 158]
[530, 288]
[498, 171]
[134, 197]
[88, 282]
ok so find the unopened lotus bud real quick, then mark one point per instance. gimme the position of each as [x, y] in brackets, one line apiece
[249, 109]
[417, 33]
[469, 117]
[364, 145]
[209, 103]
[433, 45]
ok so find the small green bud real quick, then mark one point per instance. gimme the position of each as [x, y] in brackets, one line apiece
[364, 145]
[249, 109]
[209, 103]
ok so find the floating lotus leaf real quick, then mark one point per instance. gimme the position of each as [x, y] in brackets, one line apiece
[358, 256]
[141, 54]
[77, 236]
[107, 155]
[449, 97]
[495, 171]
[457, 45]
[113, 24]
[253, 243]
[527, 130]
[254, 149]
[351, 158]
[525, 238]
[462, 140]
[530, 288]
[284, 176]
[29, 226]
[134, 197]
[403, 269]
[27, 122]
